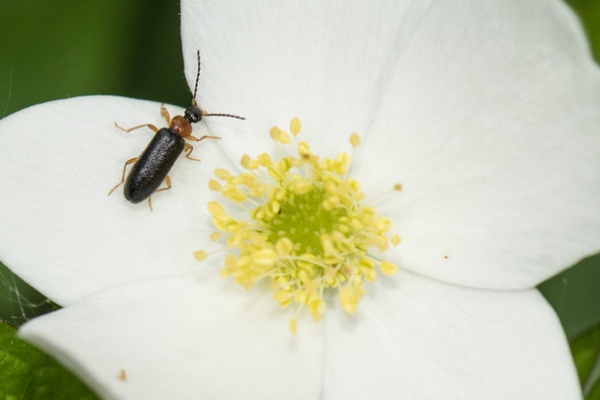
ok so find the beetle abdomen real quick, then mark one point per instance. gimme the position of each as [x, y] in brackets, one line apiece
[153, 165]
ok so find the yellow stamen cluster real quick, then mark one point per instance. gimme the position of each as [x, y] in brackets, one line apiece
[305, 230]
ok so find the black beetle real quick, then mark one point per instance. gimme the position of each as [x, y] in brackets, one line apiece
[151, 168]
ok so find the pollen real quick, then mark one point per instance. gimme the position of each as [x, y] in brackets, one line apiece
[301, 225]
[200, 255]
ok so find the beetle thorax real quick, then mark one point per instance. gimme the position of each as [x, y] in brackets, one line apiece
[181, 126]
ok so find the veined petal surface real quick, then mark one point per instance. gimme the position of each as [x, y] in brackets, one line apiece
[486, 112]
[326, 63]
[416, 338]
[495, 134]
[189, 337]
[61, 232]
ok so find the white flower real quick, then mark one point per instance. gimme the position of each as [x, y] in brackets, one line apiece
[487, 113]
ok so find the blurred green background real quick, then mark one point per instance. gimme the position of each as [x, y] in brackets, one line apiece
[54, 49]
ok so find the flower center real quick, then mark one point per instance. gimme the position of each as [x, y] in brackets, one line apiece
[303, 227]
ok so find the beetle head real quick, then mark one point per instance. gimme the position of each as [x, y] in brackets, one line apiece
[193, 114]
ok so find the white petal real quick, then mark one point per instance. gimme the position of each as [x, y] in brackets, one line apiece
[184, 338]
[491, 123]
[418, 338]
[61, 232]
[324, 62]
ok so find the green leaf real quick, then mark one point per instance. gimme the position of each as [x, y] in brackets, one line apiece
[585, 352]
[594, 393]
[573, 294]
[27, 373]
[20, 302]
[589, 13]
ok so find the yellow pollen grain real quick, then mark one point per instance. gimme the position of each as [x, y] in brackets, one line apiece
[222, 174]
[293, 325]
[354, 140]
[398, 187]
[302, 228]
[284, 246]
[214, 185]
[349, 299]
[295, 126]
[200, 255]
[215, 208]
[264, 257]
[388, 268]
[264, 160]
[248, 162]
[280, 136]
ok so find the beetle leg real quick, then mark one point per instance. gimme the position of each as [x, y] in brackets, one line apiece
[165, 114]
[168, 182]
[130, 161]
[154, 128]
[189, 148]
[195, 139]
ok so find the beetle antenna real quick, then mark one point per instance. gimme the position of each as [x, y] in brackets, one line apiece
[197, 80]
[224, 115]
[196, 91]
